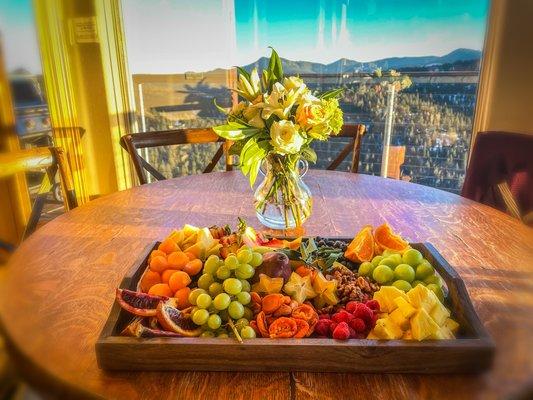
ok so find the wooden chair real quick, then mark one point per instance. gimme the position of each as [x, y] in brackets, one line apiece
[500, 173]
[133, 142]
[53, 160]
[355, 132]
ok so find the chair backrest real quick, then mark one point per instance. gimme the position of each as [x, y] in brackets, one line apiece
[355, 132]
[53, 160]
[133, 142]
[500, 172]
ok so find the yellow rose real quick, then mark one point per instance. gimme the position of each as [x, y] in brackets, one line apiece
[285, 137]
[310, 112]
[293, 83]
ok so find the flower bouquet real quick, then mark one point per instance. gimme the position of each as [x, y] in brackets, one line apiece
[273, 126]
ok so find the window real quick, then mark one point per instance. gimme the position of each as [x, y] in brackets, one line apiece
[181, 55]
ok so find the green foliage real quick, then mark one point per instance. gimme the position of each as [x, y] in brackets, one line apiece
[235, 131]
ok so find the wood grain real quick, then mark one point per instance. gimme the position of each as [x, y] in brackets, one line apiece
[59, 287]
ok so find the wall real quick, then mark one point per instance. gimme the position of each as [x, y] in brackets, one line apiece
[506, 93]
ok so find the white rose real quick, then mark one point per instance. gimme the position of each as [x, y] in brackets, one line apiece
[285, 137]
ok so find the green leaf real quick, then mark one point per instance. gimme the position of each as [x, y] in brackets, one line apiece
[243, 72]
[235, 131]
[275, 66]
[236, 147]
[331, 94]
[252, 153]
[309, 154]
[221, 109]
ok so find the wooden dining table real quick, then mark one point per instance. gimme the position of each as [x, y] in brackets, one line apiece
[60, 285]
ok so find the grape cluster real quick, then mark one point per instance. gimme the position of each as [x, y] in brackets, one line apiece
[223, 294]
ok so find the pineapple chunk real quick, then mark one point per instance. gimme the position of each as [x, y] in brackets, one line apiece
[422, 297]
[386, 329]
[451, 325]
[422, 325]
[205, 238]
[439, 313]
[407, 335]
[177, 236]
[385, 297]
[372, 335]
[442, 333]
[403, 305]
[399, 319]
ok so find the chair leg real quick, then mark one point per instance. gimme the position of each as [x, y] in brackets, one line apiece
[35, 215]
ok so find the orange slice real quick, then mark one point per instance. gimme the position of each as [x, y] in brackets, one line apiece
[362, 246]
[386, 239]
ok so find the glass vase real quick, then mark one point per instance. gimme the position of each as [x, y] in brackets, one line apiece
[283, 200]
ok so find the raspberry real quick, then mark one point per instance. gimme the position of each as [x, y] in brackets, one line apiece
[342, 316]
[322, 327]
[342, 331]
[351, 306]
[353, 334]
[324, 316]
[363, 312]
[373, 305]
[332, 327]
[358, 325]
[375, 317]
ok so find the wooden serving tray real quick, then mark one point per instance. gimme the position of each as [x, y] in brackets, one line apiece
[472, 351]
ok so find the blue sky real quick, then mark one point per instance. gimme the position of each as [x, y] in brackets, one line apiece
[199, 35]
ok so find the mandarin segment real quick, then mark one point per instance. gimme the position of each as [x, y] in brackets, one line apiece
[193, 267]
[149, 279]
[165, 276]
[168, 246]
[182, 297]
[161, 289]
[179, 280]
[177, 259]
[158, 264]
[155, 253]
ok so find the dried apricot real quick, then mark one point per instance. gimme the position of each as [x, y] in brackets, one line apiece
[158, 264]
[283, 327]
[305, 312]
[149, 279]
[302, 270]
[193, 267]
[283, 311]
[161, 289]
[177, 259]
[155, 253]
[168, 246]
[262, 324]
[182, 297]
[271, 302]
[179, 280]
[302, 328]
[191, 255]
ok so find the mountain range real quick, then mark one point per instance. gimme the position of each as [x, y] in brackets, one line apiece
[345, 65]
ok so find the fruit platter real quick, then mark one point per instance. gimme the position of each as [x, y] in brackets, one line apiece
[213, 298]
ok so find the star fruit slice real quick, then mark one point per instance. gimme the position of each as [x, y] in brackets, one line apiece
[326, 291]
[299, 288]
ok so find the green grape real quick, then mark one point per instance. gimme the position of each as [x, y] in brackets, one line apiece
[200, 317]
[215, 288]
[433, 279]
[437, 290]
[207, 334]
[214, 321]
[232, 286]
[231, 262]
[245, 285]
[412, 257]
[245, 255]
[416, 283]
[423, 270]
[257, 260]
[203, 301]
[194, 295]
[223, 273]
[211, 264]
[194, 309]
[247, 332]
[383, 274]
[397, 257]
[404, 272]
[388, 252]
[235, 310]
[241, 323]
[365, 269]
[222, 335]
[244, 298]
[389, 261]
[248, 314]
[376, 260]
[204, 281]
[221, 301]
[402, 285]
[245, 271]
